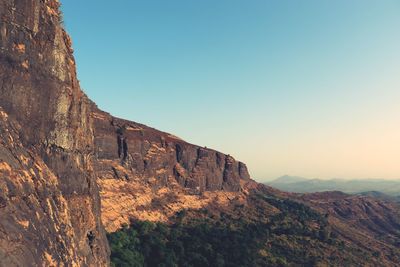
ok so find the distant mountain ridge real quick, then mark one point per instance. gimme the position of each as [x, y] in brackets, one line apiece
[297, 184]
[286, 179]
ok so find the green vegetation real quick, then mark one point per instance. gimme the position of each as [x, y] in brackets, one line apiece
[295, 236]
[149, 244]
[225, 241]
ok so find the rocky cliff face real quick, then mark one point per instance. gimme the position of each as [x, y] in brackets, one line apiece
[40, 92]
[60, 154]
[37, 225]
[62, 146]
[138, 168]
[160, 158]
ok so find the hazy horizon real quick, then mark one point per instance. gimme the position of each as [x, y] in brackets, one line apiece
[328, 178]
[308, 88]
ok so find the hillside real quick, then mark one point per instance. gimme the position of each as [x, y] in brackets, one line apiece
[267, 230]
[79, 187]
[304, 185]
[49, 187]
[81, 149]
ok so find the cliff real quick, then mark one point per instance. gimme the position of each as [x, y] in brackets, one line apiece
[158, 157]
[138, 168]
[37, 224]
[69, 172]
[39, 91]
[68, 146]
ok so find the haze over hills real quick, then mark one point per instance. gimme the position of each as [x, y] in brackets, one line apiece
[305, 185]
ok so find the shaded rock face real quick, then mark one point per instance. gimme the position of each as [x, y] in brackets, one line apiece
[160, 158]
[40, 92]
[146, 174]
[57, 147]
[55, 144]
[35, 218]
[38, 84]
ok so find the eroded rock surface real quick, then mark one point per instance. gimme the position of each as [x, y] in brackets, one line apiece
[57, 149]
[73, 144]
[160, 158]
[147, 174]
[40, 92]
[35, 219]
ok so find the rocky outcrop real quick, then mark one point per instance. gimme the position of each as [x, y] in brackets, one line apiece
[39, 90]
[147, 174]
[71, 145]
[36, 221]
[161, 159]
[59, 154]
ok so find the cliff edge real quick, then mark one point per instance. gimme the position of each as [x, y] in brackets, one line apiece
[58, 148]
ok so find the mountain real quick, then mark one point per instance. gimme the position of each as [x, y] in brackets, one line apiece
[286, 179]
[380, 195]
[369, 223]
[58, 149]
[79, 187]
[294, 184]
[268, 228]
[133, 158]
[50, 211]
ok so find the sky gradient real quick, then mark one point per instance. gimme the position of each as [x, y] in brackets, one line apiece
[306, 88]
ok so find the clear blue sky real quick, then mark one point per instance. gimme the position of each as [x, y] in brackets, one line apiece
[308, 88]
